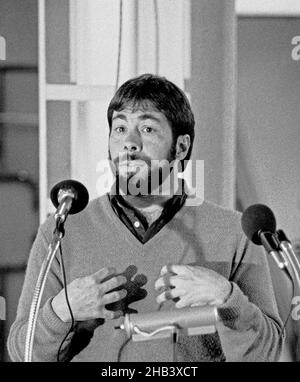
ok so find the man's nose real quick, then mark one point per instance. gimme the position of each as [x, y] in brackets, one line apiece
[133, 143]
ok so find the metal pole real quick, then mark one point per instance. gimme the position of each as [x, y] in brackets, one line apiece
[38, 292]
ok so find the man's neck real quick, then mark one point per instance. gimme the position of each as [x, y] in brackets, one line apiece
[151, 206]
[158, 197]
[147, 203]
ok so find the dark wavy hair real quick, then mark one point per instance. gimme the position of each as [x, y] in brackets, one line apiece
[151, 91]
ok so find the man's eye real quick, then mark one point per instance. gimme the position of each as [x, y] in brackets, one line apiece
[119, 129]
[148, 129]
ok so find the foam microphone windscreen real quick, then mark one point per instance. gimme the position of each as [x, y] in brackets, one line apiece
[256, 218]
[81, 194]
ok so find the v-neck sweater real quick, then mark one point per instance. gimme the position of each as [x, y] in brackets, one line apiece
[206, 235]
[136, 220]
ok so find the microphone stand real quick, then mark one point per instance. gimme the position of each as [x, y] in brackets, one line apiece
[288, 252]
[58, 234]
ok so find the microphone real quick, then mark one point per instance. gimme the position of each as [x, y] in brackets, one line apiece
[286, 247]
[69, 197]
[193, 321]
[259, 225]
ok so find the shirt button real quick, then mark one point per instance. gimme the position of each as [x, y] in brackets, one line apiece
[137, 224]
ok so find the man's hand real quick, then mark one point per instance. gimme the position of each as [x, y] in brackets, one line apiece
[89, 295]
[192, 285]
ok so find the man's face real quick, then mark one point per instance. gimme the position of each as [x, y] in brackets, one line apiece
[136, 139]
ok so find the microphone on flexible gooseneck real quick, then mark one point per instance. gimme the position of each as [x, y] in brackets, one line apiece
[259, 225]
[287, 248]
[69, 197]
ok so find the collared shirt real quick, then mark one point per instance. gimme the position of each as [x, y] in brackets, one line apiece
[137, 223]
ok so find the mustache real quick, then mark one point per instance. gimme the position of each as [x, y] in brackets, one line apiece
[127, 157]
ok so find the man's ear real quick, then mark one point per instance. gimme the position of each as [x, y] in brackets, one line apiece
[182, 146]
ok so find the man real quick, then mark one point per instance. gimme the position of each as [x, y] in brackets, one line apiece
[133, 252]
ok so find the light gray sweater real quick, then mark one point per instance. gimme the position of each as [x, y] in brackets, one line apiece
[206, 235]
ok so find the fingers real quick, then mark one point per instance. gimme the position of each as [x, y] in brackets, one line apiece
[113, 297]
[165, 282]
[181, 303]
[169, 294]
[112, 283]
[102, 274]
[166, 269]
[110, 314]
[180, 282]
[186, 301]
[175, 269]
[169, 281]
[108, 299]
